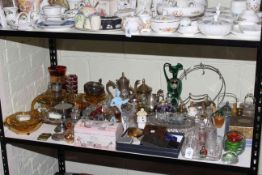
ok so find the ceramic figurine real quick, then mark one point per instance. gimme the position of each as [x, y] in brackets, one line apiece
[117, 100]
[174, 84]
[141, 118]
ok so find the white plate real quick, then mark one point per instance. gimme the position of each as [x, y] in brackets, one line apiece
[89, 30]
[56, 25]
[253, 30]
[237, 32]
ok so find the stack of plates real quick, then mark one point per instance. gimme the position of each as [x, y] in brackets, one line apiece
[55, 24]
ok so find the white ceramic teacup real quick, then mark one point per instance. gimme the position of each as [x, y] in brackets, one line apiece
[53, 10]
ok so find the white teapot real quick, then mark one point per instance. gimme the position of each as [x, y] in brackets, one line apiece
[132, 25]
[21, 21]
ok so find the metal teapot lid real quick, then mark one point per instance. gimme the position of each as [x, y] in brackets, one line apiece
[122, 80]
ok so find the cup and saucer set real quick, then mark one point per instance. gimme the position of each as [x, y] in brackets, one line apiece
[54, 17]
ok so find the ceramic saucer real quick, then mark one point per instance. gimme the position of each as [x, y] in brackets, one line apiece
[56, 25]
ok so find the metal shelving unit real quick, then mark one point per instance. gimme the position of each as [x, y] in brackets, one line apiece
[253, 170]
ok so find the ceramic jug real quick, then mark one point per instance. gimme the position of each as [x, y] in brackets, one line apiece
[174, 84]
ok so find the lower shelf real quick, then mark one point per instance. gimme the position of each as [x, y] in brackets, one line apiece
[242, 165]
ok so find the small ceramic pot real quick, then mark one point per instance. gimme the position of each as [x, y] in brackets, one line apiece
[165, 24]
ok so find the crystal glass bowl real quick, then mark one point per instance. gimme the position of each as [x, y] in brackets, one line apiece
[234, 142]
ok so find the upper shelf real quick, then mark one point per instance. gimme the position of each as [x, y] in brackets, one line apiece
[176, 38]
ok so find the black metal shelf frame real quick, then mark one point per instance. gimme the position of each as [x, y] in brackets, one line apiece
[134, 38]
[253, 170]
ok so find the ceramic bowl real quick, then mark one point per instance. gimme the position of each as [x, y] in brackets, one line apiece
[188, 30]
[165, 24]
[211, 28]
[184, 11]
[188, 27]
[249, 16]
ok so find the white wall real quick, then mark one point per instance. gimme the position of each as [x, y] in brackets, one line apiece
[23, 75]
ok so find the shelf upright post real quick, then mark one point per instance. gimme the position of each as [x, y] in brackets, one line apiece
[3, 144]
[61, 161]
[52, 51]
[53, 62]
[258, 114]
